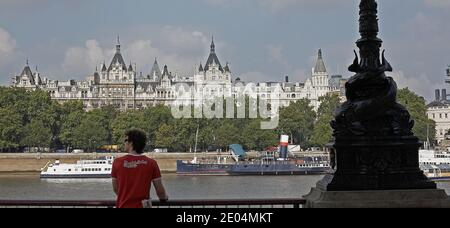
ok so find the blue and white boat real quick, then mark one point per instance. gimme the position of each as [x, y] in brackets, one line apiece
[265, 165]
[99, 168]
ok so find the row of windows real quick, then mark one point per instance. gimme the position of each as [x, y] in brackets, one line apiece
[89, 170]
[434, 163]
[441, 115]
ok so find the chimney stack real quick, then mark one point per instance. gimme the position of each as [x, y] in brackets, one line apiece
[438, 95]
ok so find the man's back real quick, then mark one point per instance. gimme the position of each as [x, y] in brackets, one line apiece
[134, 174]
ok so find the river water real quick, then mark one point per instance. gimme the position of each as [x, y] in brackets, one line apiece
[31, 187]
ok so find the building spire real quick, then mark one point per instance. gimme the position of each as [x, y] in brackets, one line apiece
[320, 65]
[27, 62]
[213, 46]
[118, 44]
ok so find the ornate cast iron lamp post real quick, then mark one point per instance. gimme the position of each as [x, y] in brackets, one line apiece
[374, 146]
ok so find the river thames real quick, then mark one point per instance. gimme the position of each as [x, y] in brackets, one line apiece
[31, 187]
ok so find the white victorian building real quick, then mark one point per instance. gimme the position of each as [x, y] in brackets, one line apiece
[439, 111]
[120, 86]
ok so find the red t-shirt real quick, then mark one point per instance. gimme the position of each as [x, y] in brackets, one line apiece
[134, 176]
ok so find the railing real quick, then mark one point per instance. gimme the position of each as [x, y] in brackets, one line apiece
[256, 203]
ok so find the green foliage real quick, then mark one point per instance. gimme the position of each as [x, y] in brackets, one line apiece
[10, 128]
[228, 134]
[165, 136]
[36, 134]
[323, 133]
[297, 120]
[131, 119]
[32, 119]
[72, 114]
[154, 118]
[256, 139]
[91, 133]
[416, 105]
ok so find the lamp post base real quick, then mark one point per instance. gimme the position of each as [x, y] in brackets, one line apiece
[376, 163]
[422, 198]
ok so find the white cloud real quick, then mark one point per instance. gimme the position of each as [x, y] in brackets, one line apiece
[420, 51]
[421, 85]
[82, 60]
[8, 46]
[177, 47]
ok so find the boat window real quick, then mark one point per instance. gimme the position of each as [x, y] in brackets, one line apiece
[70, 170]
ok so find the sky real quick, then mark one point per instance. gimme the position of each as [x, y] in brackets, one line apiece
[263, 40]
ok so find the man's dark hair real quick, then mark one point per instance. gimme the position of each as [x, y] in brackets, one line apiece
[138, 138]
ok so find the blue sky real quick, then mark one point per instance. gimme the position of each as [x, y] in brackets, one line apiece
[263, 40]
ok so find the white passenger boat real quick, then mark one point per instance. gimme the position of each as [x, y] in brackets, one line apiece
[435, 164]
[100, 168]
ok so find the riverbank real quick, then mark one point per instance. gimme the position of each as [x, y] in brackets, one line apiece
[32, 163]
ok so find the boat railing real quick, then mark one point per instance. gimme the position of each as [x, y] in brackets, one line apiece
[46, 166]
[218, 203]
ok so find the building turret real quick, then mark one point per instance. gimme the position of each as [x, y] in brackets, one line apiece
[28, 74]
[130, 68]
[213, 59]
[104, 67]
[227, 68]
[118, 59]
[155, 73]
[320, 65]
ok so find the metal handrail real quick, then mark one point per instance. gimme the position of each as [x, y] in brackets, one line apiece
[296, 203]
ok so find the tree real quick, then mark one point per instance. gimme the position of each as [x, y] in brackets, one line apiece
[71, 115]
[11, 129]
[155, 117]
[416, 106]
[227, 134]
[257, 139]
[69, 125]
[108, 114]
[184, 133]
[165, 137]
[36, 134]
[297, 120]
[323, 133]
[131, 119]
[91, 133]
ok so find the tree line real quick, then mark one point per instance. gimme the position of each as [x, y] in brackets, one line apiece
[31, 119]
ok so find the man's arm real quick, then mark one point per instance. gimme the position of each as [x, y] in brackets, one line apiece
[160, 190]
[115, 186]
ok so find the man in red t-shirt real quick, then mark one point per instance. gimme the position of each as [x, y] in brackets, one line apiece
[134, 174]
